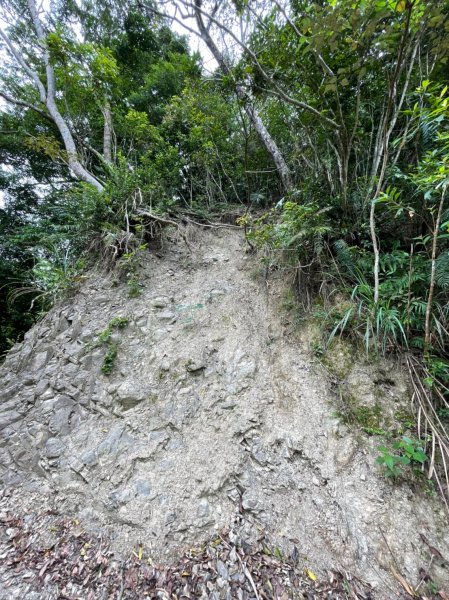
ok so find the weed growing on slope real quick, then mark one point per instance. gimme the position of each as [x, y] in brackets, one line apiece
[109, 359]
[129, 264]
[105, 339]
[409, 455]
[115, 323]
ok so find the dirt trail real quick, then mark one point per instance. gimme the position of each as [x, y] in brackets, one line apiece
[213, 414]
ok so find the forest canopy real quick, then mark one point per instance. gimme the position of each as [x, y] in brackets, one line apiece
[323, 128]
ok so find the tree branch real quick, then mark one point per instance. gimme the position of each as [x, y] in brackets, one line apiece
[47, 96]
[28, 70]
[277, 91]
[17, 102]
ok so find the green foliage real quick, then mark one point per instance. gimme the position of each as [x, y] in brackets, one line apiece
[410, 453]
[294, 229]
[129, 265]
[104, 338]
[116, 323]
[442, 270]
[369, 418]
[133, 288]
[109, 359]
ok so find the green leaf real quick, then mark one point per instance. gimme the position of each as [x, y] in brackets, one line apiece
[278, 553]
[420, 456]
[389, 461]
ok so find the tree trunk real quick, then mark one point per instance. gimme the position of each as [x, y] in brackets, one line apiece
[432, 274]
[107, 132]
[267, 140]
[72, 154]
[48, 96]
[372, 226]
[263, 133]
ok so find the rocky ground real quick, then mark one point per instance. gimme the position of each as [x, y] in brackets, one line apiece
[213, 424]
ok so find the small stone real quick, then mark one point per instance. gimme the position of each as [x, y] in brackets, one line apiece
[59, 421]
[40, 360]
[250, 502]
[260, 456]
[167, 315]
[118, 498]
[12, 532]
[203, 510]
[230, 405]
[40, 388]
[315, 480]
[90, 459]
[160, 302]
[346, 451]
[234, 495]
[143, 488]
[216, 293]
[129, 395]
[170, 518]
[193, 366]
[54, 448]
[363, 477]
[222, 570]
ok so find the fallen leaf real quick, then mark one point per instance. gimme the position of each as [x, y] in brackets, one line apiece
[311, 575]
[407, 587]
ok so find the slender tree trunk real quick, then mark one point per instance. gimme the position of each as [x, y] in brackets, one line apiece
[372, 226]
[252, 113]
[384, 132]
[107, 132]
[432, 274]
[267, 140]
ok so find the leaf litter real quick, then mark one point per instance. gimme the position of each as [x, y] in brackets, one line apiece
[53, 554]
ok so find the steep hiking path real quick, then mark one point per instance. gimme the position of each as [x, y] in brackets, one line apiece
[213, 415]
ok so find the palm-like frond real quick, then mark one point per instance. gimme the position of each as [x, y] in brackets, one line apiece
[442, 270]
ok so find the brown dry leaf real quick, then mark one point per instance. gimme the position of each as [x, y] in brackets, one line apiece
[407, 587]
[44, 568]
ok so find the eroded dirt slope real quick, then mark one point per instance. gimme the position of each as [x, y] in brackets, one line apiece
[213, 414]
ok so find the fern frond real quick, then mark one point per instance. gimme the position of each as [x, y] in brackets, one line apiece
[344, 256]
[442, 270]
